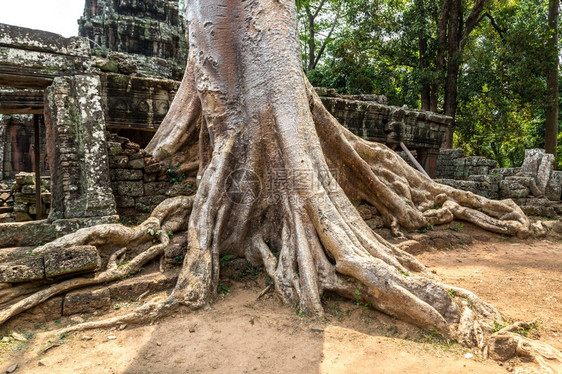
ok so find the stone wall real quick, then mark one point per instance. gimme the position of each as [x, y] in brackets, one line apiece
[25, 208]
[365, 116]
[139, 182]
[76, 144]
[535, 186]
[152, 33]
[17, 138]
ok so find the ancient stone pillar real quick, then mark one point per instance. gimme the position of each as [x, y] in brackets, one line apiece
[76, 145]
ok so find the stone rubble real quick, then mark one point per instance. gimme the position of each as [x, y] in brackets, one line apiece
[535, 186]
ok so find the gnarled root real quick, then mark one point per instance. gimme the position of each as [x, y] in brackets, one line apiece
[169, 216]
[507, 343]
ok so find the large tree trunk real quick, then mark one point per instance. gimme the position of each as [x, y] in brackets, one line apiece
[276, 167]
[276, 176]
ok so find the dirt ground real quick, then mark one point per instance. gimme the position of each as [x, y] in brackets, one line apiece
[240, 334]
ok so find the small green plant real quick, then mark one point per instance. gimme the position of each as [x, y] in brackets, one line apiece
[392, 329]
[408, 202]
[498, 326]
[426, 229]
[404, 273]
[143, 208]
[249, 270]
[117, 306]
[357, 296]
[301, 314]
[452, 292]
[63, 336]
[226, 260]
[57, 321]
[173, 173]
[223, 289]
[178, 260]
[27, 334]
[170, 233]
[155, 234]
[457, 227]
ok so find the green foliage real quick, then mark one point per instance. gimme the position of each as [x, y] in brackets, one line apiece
[458, 227]
[426, 229]
[376, 47]
[222, 289]
[226, 260]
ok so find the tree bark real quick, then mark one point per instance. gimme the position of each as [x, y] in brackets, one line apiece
[552, 108]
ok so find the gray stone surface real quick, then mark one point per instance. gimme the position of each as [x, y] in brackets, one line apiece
[532, 160]
[554, 187]
[24, 269]
[76, 259]
[544, 171]
[77, 149]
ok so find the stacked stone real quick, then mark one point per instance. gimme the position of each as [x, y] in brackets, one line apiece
[448, 161]
[139, 182]
[25, 208]
[387, 124]
[151, 32]
[535, 186]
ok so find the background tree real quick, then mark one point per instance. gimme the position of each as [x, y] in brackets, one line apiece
[551, 125]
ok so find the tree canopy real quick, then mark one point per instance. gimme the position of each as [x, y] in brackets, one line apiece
[405, 50]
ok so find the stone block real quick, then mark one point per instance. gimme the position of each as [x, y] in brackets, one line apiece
[156, 188]
[23, 179]
[118, 162]
[127, 174]
[137, 163]
[114, 148]
[154, 168]
[491, 179]
[24, 269]
[86, 301]
[131, 188]
[544, 172]
[76, 259]
[22, 217]
[125, 201]
[150, 201]
[513, 189]
[24, 199]
[554, 187]
[532, 160]
[149, 177]
[28, 189]
[42, 313]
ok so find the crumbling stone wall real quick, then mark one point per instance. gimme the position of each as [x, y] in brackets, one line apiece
[152, 33]
[17, 137]
[23, 189]
[77, 150]
[535, 186]
[139, 182]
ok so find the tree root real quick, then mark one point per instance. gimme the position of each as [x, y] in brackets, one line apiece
[166, 217]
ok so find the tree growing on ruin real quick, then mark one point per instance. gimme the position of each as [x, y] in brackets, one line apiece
[276, 175]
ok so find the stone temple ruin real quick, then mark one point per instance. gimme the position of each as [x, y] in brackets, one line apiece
[98, 99]
[76, 112]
